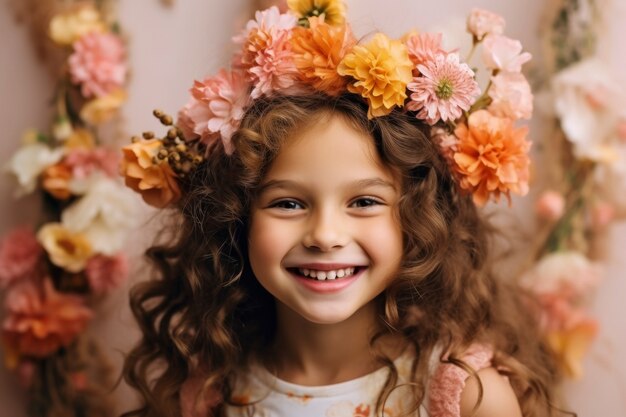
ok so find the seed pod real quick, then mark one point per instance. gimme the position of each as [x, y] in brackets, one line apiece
[148, 135]
[171, 134]
[166, 120]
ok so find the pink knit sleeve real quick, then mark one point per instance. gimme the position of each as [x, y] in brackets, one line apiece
[448, 381]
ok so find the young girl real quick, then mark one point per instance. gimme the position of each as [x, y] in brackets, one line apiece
[326, 260]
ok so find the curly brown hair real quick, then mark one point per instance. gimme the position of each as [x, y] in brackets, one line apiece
[206, 311]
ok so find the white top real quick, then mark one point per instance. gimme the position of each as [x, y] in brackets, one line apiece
[273, 397]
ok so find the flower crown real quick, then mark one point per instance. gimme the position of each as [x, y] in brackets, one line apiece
[311, 47]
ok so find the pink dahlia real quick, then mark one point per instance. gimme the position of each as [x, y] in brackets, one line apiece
[83, 162]
[97, 64]
[446, 88]
[216, 107]
[106, 273]
[424, 47]
[40, 320]
[267, 58]
[19, 253]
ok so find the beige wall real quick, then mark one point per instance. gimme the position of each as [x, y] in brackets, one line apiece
[171, 47]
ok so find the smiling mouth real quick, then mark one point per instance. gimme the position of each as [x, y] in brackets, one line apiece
[326, 275]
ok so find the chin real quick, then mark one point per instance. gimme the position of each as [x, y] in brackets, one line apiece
[326, 314]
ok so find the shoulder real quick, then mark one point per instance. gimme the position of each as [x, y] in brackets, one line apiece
[498, 397]
[454, 389]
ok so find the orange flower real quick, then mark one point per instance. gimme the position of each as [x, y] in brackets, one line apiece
[56, 181]
[491, 157]
[40, 320]
[318, 52]
[570, 346]
[381, 70]
[156, 182]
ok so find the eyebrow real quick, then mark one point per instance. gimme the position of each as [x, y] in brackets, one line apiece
[364, 183]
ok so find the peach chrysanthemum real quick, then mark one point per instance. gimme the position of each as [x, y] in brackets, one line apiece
[156, 182]
[491, 157]
[381, 71]
[266, 58]
[317, 52]
[40, 320]
[446, 88]
[97, 64]
[217, 107]
[333, 11]
[424, 47]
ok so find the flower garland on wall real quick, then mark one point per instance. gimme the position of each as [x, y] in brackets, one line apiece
[586, 156]
[53, 273]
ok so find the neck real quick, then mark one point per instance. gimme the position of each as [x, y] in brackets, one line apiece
[309, 353]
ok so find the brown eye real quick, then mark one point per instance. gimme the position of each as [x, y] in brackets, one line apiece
[287, 205]
[365, 202]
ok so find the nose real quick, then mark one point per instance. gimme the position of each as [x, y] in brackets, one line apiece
[326, 230]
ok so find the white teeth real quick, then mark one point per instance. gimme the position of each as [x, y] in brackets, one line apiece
[324, 275]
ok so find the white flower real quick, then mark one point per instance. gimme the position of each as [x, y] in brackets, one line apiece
[568, 273]
[29, 162]
[104, 215]
[586, 99]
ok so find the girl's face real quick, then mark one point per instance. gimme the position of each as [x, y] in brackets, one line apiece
[325, 238]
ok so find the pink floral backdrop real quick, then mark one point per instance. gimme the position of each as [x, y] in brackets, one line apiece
[162, 66]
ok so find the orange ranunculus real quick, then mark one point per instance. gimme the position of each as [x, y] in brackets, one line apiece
[570, 345]
[156, 182]
[491, 157]
[56, 181]
[381, 71]
[318, 51]
[40, 320]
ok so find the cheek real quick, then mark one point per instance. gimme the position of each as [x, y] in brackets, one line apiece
[385, 241]
[267, 240]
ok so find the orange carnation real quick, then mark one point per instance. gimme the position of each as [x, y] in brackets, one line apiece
[317, 52]
[491, 157]
[381, 71]
[56, 181]
[155, 181]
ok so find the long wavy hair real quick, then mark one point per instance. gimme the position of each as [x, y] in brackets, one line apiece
[205, 313]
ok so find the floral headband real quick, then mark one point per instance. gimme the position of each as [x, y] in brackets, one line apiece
[311, 47]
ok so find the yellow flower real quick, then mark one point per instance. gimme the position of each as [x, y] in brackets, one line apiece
[381, 70]
[68, 27]
[103, 108]
[80, 138]
[334, 11]
[570, 346]
[66, 249]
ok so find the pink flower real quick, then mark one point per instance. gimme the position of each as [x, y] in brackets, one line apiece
[40, 320]
[504, 54]
[602, 214]
[424, 47]
[106, 273]
[550, 205]
[511, 96]
[272, 67]
[19, 253]
[216, 108]
[267, 58]
[98, 64]
[83, 162]
[567, 274]
[445, 89]
[25, 373]
[483, 22]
